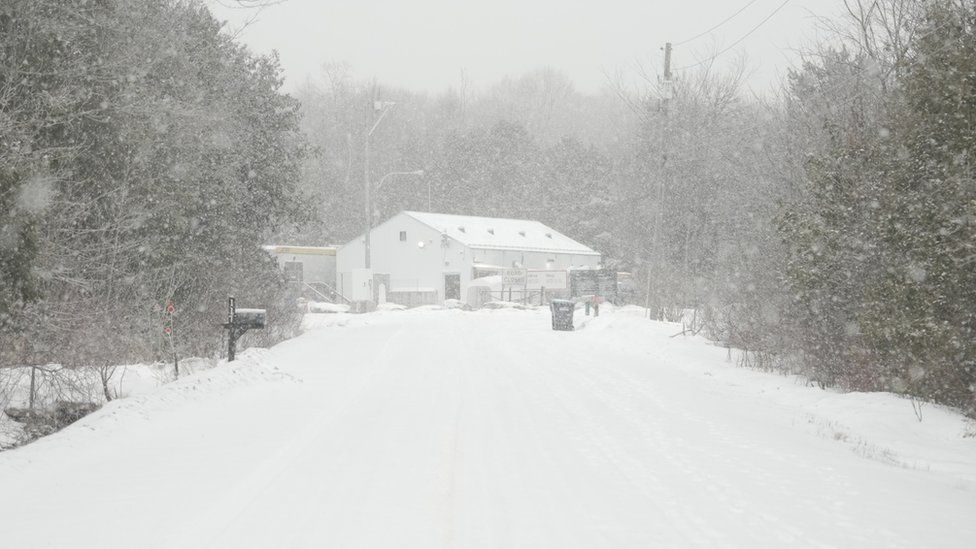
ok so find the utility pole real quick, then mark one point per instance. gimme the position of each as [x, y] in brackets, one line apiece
[370, 108]
[667, 92]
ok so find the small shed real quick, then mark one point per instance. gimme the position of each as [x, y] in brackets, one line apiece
[307, 265]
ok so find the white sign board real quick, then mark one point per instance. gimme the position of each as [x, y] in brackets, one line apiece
[513, 277]
[550, 280]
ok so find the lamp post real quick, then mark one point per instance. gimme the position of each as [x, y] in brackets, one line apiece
[393, 174]
[383, 107]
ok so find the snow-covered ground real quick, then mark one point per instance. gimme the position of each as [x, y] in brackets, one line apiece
[444, 428]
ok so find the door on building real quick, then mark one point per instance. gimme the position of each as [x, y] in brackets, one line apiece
[293, 274]
[452, 286]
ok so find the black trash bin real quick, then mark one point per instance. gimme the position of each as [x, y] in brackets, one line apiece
[562, 314]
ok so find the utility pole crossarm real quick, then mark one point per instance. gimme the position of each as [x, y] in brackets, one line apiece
[383, 107]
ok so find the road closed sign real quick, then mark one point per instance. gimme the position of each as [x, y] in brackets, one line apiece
[513, 277]
[550, 280]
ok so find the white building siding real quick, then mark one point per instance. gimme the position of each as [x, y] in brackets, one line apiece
[318, 264]
[410, 266]
[534, 260]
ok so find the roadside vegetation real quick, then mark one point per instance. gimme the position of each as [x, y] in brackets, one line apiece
[145, 156]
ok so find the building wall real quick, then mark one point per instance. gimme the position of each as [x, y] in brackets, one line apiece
[534, 260]
[348, 257]
[316, 267]
[410, 266]
[456, 258]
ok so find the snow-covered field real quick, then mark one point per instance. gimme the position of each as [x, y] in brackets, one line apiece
[445, 428]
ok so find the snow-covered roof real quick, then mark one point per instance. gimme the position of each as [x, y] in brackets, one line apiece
[488, 266]
[493, 233]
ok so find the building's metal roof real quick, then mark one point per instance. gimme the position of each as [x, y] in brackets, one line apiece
[493, 233]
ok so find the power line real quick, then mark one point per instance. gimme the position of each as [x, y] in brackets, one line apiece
[739, 41]
[861, 93]
[726, 20]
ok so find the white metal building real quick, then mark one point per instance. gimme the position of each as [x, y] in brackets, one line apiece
[421, 257]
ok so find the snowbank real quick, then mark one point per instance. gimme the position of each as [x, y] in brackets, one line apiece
[54, 383]
[326, 307]
[878, 426]
[125, 414]
[84, 385]
[508, 305]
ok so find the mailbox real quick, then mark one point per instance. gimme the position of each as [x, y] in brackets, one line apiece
[252, 319]
[240, 321]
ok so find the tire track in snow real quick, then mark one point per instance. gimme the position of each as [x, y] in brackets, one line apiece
[600, 449]
[227, 511]
[668, 440]
[453, 446]
[682, 466]
[745, 455]
[404, 461]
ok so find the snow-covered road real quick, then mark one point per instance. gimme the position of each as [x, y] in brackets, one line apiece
[430, 429]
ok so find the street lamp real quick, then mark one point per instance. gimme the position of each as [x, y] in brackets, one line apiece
[419, 173]
[383, 107]
[392, 174]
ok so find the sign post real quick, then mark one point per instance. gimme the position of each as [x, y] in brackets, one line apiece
[512, 277]
[170, 331]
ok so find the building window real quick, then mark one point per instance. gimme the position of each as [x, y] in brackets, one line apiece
[403, 236]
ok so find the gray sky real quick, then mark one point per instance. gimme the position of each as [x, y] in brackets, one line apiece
[426, 44]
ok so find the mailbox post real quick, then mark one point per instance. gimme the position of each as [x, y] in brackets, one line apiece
[240, 321]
